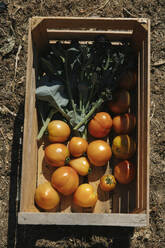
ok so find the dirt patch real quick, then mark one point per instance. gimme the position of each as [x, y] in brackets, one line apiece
[13, 37]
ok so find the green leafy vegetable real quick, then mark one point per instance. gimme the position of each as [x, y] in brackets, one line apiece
[81, 77]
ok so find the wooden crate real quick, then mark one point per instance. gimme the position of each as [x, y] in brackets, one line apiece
[129, 205]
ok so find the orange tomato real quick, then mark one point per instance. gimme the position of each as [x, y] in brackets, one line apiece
[58, 131]
[99, 152]
[107, 182]
[81, 165]
[120, 102]
[123, 146]
[128, 79]
[124, 124]
[85, 196]
[46, 197]
[77, 146]
[56, 154]
[100, 125]
[124, 172]
[65, 179]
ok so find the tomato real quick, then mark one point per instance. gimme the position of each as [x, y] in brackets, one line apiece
[99, 152]
[46, 197]
[85, 196]
[56, 154]
[65, 179]
[81, 165]
[120, 102]
[77, 146]
[100, 125]
[124, 124]
[107, 182]
[128, 79]
[124, 172]
[58, 131]
[123, 146]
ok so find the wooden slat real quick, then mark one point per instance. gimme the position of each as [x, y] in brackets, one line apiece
[87, 35]
[89, 22]
[39, 36]
[124, 198]
[103, 204]
[139, 137]
[139, 35]
[143, 133]
[146, 150]
[29, 160]
[88, 219]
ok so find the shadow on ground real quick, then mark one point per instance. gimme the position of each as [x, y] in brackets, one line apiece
[53, 236]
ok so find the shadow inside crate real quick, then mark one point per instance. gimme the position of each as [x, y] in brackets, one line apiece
[52, 236]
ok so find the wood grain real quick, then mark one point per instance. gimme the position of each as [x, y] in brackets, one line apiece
[88, 219]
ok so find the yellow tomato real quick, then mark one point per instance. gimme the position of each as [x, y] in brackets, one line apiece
[85, 196]
[123, 147]
[46, 197]
[107, 182]
[81, 165]
[99, 152]
[65, 179]
[58, 131]
[56, 154]
[77, 146]
[100, 125]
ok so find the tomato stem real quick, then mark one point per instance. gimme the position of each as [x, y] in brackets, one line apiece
[97, 105]
[109, 180]
[90, 171]
[67, 160]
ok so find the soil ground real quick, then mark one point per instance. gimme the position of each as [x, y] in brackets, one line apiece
[13, 56]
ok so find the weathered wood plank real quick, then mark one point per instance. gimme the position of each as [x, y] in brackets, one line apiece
[83, 219]
[87, 35]
[29, 160]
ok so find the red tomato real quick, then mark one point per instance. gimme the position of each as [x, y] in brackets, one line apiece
[56, 154]
[107, 182]
[46, 197]
[128, 80]
[124, 124]
[100, 125]
[99, 152]
[124, 172]
[65, 180]
[120, 102]
[85, 196]
[58, 131]
[77, 146]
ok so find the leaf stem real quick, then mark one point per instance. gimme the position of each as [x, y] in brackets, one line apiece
[97, 105]
[44, 127]
[80, 101]
[91, 92]
[68, 86]
[59, 109]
